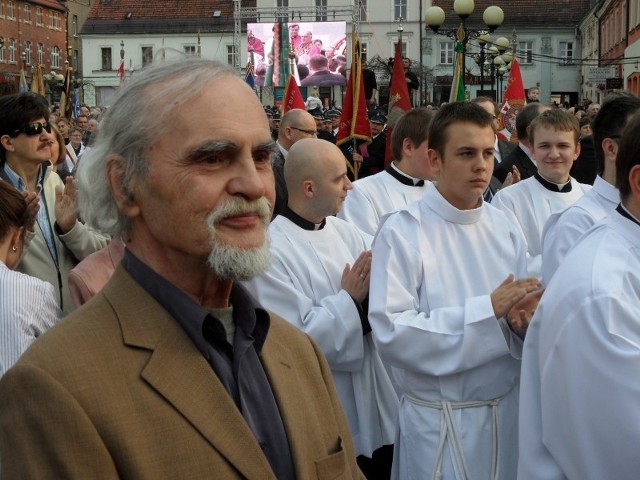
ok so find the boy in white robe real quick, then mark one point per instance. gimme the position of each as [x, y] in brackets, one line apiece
[404, 181]
[564, 228]
[442, 286]
[529, 203]
[580, 387]
[319, 281]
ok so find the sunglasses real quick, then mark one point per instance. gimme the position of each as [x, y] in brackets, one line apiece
[32, 129]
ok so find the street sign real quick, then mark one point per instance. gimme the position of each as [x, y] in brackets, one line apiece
[600, 74]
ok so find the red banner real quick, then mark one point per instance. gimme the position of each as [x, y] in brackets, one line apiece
[512, 103]
[292, 96]
[399, 101]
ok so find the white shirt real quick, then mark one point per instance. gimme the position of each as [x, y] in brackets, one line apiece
[303, 285]
[371, 198]
[580, 390]
[564, 228]
[434, 268]
[529, 204]
[28, 307]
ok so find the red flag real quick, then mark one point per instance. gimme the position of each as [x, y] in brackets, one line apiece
[354, 121]
[292, 96]
[512, 103]
[399, 102]
[120, 72]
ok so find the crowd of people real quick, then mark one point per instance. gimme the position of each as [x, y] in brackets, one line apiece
[236, 296]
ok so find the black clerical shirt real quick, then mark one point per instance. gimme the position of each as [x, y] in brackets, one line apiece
[238, 367]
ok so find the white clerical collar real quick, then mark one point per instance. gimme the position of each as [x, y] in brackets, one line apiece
[527, 150]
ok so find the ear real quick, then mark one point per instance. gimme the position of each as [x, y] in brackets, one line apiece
[123, 196]
[308, 188]
[407, 146]
[5, 141]
[610, 150]
[434, 160]
[578, 150]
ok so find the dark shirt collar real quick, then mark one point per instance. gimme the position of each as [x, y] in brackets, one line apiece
[247, 314]
[403, 178]
[625, 213]
[554, 187]
[301, 222]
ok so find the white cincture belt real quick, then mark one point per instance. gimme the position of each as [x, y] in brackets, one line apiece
[449, 431]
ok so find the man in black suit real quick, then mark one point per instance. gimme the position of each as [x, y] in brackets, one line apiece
[521, 157]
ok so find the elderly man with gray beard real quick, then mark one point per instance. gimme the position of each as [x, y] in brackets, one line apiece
[173, 370]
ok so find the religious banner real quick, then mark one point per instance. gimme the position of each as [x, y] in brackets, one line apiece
[457, 85]
[399, 100]
[513, 101]
[354, 121]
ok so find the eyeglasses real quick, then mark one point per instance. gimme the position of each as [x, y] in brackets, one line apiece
[308, 132]
[32, 129]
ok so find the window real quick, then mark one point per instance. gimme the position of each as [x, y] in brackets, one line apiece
[76, 59]
[321, 10]
[55, 57]
[10, 10]
[400, 9]
[39, 16]
[1, 9]
[12, 50]
[231, 54]
[27, 12]
[363, 52]
[27, 53]
[190, 50]
[446, 53]
[566, 52]
[74, 26]
[41, 54]
[525, 53]
[147, 56]
[283, 10]
[106, 58]
[56, 21]
[363, 10]
[51, 20]
[2, 59]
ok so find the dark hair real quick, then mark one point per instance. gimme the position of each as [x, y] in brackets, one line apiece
[610, 121]
[18, 110]
[62, 149]
[628, 156]
[318, 62]
[496, 110]
[557, 119]
[456, 112]
[525, 117]
[413, 125]
[13, 209]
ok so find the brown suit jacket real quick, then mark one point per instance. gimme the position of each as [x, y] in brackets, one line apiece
[118, 390]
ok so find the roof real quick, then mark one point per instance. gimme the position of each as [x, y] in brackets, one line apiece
[523, 13]
[54, 4]
[160, 16]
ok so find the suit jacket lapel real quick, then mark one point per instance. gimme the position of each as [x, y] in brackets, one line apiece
[182, 376]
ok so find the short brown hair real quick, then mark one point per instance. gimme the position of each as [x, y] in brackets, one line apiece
[456, 112]
[558, 120]
[413, 125]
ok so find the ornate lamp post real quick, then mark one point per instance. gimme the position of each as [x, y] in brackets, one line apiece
[493, 17]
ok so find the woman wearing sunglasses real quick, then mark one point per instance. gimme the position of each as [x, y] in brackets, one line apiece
[28, 306]
[59, 240]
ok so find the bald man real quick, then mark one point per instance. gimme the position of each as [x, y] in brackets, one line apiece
[295, 125]
[319, 281]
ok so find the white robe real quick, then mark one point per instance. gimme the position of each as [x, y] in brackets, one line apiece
[434, 268]
[529, 204]
[303, 286]
[564, 228]
[373, 197]
[580, 388]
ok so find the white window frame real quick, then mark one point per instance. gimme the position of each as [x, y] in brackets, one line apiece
[446, 53]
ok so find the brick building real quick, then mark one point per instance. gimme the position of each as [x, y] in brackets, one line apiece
[33, 31]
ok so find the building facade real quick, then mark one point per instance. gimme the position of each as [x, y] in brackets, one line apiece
[32, 33]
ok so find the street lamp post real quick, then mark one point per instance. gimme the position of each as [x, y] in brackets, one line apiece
[493, 17]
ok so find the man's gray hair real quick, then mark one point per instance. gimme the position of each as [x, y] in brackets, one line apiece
[138, 118]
